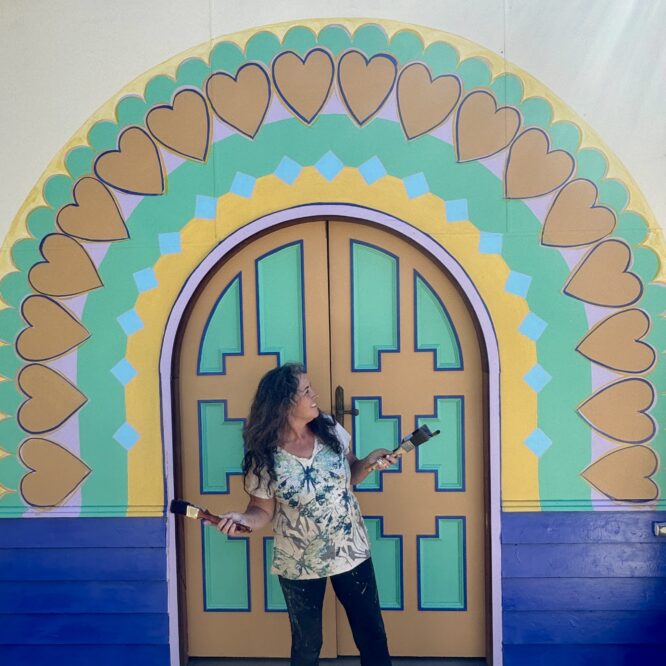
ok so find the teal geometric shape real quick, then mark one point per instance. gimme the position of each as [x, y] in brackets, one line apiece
[223, 333]
[130, 322]
[490, 243]
[372, 170]
[126, 436]
[205, 207]
[226, 571]
[273, 596]
[434, 329]
[288, 170]
[145, 279]
[416, 185]
[456, 210]
[221, 446]
[532, 326]
[124, 371]
[442, 568]
[169, 243]
[537, 378]
[538, 442]
[243, 185]
[518, 283]
[387, 562]
[329, 165]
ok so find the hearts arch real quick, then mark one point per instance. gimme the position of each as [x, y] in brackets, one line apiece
[422, 125]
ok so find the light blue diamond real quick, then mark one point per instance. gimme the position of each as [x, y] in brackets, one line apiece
[416, 185]
[537, 378]
[243, 184]
[145, 279]
[205, 207]
[288, 170]
[329, 165]
[169, 243]
[490, 243]
[456, 210]
[532, 326]
[126, 436]
[130, 322]
[124, 372]
[518, 283]
[372, 170]
[538, 442]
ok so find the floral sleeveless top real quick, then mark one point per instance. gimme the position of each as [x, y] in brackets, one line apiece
[319, 530]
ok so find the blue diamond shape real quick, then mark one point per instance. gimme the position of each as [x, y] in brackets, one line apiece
[126, 436]
[456, 210]
[518, 283]
[288, 170]
[205, 207]
[416, 185]
[124, 371]
[372, 170]
[490, 243]
[537, 378]
[532, 326]
[538, 442]
[145, 279]
[169, 243]
[130, 322]
[329, 166]
[243, 185]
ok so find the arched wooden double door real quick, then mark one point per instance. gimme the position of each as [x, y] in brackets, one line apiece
[368, 311]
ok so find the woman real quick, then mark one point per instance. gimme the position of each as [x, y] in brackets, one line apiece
[299, 470]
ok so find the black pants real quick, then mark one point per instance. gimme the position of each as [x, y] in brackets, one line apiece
[357, 592]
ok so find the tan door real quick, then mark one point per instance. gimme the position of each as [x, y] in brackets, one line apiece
[368, 312]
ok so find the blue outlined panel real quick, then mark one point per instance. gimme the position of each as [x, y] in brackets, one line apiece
[375, 297]
[273, 597]
[226, 571]
[445, 454]
[442, 566]
[223, 334]
[433, 328]
[220, 446]
[387, 561]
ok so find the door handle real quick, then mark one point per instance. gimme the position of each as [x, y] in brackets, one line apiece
[340, 410]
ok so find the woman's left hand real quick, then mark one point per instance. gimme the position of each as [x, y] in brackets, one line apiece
[380, 459]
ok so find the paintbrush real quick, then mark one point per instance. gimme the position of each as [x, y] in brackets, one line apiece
[183, 508]
[411, 441]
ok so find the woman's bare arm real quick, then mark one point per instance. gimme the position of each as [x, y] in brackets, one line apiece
[258, 513]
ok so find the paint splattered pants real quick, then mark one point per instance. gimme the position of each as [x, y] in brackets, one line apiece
[357, 592]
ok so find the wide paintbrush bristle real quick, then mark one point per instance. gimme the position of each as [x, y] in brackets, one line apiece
[179, 507]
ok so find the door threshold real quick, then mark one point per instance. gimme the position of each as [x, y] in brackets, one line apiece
[337, 661]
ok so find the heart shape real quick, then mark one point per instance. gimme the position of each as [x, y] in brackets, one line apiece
[304, 84]
[135, 167]
[624, 474]
[616, 342]
[183, 127]
[55, 472]
[52, 330]
[603, 278]
[618, 410]
[574, 219]
[67, 269]
[51, 399]
[481, 128]
[423, 102]
[365, 84]
[242, 100]
[532, 169]
[94, 215]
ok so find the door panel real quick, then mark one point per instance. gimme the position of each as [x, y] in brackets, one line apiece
[367, 311]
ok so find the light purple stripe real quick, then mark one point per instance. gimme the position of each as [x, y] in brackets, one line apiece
[490, 338]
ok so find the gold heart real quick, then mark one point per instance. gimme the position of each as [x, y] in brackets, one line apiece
[602, 277]
[51, 399]
[304, 84]
[618, 410]
[183, 127]
[624, 474]
[241, 101]
[94, 215]
[481, 128]
[56, 473]
[52, 330]
[616, 342]
[135, 167]
[67, 269]
[532, 169]
[423, 102]
[573, 218]
[365, 84]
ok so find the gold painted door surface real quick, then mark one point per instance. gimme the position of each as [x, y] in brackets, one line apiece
[369, 312]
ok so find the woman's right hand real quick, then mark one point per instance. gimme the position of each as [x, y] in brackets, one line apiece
[228, 522]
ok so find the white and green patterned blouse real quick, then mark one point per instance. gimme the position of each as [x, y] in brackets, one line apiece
[319, 530]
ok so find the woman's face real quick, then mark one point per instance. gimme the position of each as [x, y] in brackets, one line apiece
[305, 401]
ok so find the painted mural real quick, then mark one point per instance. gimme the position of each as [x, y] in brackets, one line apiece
[420, 125]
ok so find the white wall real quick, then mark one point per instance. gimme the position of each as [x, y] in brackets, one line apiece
[62, 59]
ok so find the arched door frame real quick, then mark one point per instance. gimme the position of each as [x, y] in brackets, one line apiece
[448, 262]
